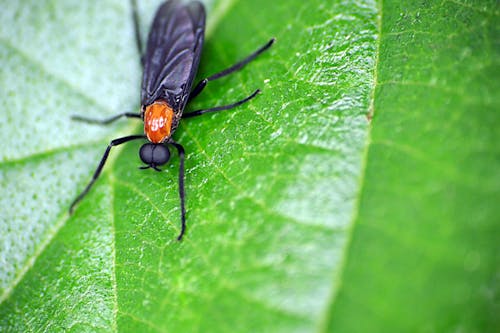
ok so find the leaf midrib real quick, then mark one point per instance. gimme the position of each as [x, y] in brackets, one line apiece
[338, 278]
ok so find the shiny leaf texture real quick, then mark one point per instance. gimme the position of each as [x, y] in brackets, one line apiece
[425, 239]
[303, 215]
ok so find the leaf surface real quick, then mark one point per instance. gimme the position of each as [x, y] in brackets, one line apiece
[302, 214]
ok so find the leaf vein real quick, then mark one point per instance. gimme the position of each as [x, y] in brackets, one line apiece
[337, 279]
[53, 76]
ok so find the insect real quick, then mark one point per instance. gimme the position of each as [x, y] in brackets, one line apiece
[170, 62]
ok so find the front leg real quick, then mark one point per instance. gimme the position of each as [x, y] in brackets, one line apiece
[97, 172]
[182, 195]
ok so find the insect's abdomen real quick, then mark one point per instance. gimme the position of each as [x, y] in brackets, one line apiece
[158, 119]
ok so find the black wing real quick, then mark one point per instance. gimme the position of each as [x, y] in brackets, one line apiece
[173, 53]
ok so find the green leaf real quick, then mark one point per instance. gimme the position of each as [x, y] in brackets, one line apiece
[302, 214]
[423, 255]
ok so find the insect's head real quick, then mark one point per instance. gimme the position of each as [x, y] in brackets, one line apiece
[154, 155]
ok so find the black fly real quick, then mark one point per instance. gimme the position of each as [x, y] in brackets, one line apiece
[170, 62]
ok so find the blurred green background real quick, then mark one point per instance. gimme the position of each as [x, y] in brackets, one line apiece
[358, 193]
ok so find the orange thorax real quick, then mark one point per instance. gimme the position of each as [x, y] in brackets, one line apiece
[158, 121]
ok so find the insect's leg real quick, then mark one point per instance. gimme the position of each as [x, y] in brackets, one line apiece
[138, 40]
[220, 108]
[107, 120]
[199, 87]
[97, 172]
[180, 150]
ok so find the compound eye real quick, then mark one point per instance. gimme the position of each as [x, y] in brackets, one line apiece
[161, 155]
[154, 154]
[146, 153]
